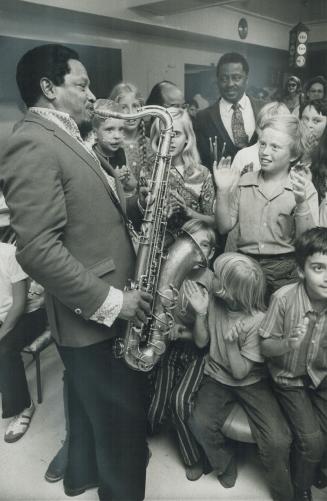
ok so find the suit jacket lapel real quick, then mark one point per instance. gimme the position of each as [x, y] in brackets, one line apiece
[72, 143]
[107, 167]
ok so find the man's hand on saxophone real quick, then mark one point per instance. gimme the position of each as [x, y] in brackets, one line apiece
[136, 306]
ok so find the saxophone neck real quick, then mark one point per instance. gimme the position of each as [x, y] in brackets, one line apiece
[156, 111]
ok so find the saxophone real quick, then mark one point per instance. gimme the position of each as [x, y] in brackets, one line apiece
[159, 274]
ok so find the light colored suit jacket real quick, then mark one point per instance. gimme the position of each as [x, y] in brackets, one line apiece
[71, 237]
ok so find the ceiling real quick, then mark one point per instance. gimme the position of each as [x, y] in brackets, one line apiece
[284, 11]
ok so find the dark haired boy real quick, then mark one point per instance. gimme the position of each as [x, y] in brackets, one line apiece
[294, 340]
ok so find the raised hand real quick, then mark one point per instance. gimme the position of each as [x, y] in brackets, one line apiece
[197, 296]
[298, 334]
[225, 176]
[299, 181]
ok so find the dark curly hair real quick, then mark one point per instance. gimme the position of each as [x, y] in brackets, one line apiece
[319, 166]
[45, 61]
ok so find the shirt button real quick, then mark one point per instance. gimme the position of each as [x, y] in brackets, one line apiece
[78, 311]
[265, 224]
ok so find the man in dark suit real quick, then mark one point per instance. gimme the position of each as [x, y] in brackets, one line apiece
[73, 238]
[232, 118]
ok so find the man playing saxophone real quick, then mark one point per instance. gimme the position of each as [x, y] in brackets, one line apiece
[73, 238]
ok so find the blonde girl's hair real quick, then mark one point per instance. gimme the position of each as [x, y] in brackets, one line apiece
[269, 110]
[240, 279]
[190, 154]
[288, 125]
[120, 90]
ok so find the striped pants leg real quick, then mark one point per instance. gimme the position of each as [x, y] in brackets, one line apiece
[181, 402]
[165, 378]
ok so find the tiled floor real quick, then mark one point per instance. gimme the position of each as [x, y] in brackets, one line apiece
[22, 465]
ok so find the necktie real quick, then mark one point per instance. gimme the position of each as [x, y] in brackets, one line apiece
[239, 135]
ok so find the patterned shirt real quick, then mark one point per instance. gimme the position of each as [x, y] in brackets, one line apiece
[196, 188]
[288, 308]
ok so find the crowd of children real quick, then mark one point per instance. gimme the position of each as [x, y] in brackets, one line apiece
[251, 327]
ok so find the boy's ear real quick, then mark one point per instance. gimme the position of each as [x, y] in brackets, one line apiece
[211, 254]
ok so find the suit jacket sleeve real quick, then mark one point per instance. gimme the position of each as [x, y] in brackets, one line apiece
[202, 140]
[36, 198]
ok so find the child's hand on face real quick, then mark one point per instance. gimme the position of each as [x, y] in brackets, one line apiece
[197, 296]
[234, 333]
[299, 181]
[298, 334]
[226, 177]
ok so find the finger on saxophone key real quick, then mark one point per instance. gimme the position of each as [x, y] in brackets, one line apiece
[145, 302]
[134, 301]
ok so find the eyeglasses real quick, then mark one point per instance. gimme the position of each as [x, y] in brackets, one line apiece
[176, 105]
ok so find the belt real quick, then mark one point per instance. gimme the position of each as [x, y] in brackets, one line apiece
[275, 257]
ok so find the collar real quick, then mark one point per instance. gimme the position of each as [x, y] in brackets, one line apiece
[60, 118]
[255, 179]
[305, 301]
[229, 106]
[67, 124]
[99, 151]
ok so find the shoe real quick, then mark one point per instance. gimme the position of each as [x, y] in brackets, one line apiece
[77, 491]
[303, 495]
[57, 467]
[18, 426]
[320, 480]
[194, 472]
[228, 478]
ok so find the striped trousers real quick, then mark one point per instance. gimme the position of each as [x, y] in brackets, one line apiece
[176, 382]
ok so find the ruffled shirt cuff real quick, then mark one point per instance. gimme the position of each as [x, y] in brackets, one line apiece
[110, 308]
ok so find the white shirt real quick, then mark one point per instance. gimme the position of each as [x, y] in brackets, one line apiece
[226, 112]
[10, 273]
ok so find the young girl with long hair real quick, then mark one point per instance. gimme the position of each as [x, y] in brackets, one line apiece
[313, 119]
[136, 145]
[228, 320]
[319, 176]
[191, 186]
